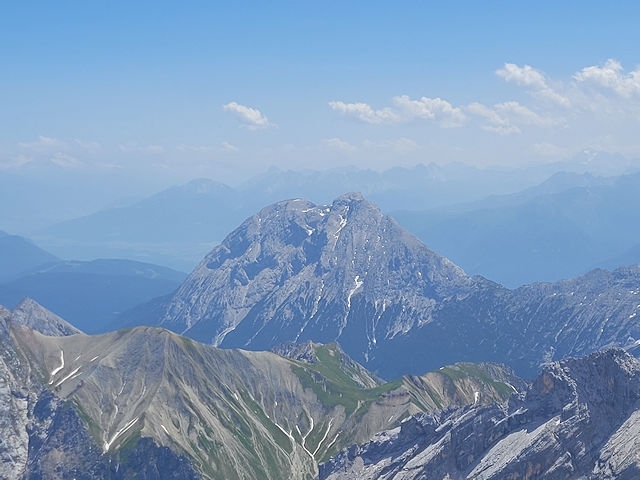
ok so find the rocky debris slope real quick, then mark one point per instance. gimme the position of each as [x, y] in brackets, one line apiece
[44, 437]
[227, 413]
[148, 402]
[579, 419]
[345, 272]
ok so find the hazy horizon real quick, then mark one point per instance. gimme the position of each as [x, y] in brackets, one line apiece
[163, 93]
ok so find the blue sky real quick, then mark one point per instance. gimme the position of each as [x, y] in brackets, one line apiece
[178, 90]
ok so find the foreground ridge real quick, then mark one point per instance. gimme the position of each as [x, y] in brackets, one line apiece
[148, 402]
[579, 419]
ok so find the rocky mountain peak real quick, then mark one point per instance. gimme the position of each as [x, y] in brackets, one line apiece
[606, 381]
[33, 315]
[297, 271]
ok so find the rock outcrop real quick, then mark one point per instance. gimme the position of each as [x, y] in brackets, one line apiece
[579, 419]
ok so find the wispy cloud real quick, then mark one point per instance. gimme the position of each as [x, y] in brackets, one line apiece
[400, 145]
[53, 151]
[494, 122]
[426, 108]
[65, 160]
[534, 80]
[595, 95]
[143, 149]
[404, 110]
[229, 147]
[44, 144]
[339, 144]
[508, 117]
[611, 76]
[546, 149]
[364, 112]
[250, 117]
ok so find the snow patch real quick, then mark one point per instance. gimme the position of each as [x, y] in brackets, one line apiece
[358, 284]
[130, 424]
[343, 223]
[56, 370]
[71, 375]
[511, 386]
[304, 437]
[323, 438]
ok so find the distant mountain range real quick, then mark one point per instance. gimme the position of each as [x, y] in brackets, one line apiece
[560, 229]
[90, 294]
[345, 272]
[177, 226]
[18, 255]
[502, 224]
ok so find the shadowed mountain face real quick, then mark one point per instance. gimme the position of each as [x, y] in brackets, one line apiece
[18, 255]
[149, 403]
[91, 294]
[344, 272]
[579, 419]
[559, 229]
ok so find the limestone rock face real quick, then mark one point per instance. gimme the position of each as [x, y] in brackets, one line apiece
[579, 419]
[298, 271]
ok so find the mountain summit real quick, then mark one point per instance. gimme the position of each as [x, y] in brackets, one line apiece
[298, 271]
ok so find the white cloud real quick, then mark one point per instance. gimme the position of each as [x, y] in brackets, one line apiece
[339, 144]
[611, 76]
[430, 108]
[400, 145]
[65, 160]
[88, 146]
[48, 150]
[144, 149]
[521, 114]
[195, 148]
[15, 162]
[545, 149]
[495, 122]
[44, 144]
[229, 147]
[404, 144]
[251, 118]
[364, 112]
[406, 110]
[508, 117]
[528, 76]
[153, 149]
